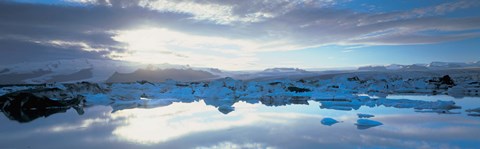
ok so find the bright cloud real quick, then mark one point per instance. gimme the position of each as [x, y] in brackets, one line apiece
[160, 45]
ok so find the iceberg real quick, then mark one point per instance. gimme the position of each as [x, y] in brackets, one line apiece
[329, 121]
[366, 123]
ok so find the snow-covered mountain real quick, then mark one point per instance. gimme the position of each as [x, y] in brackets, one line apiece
[161, 75]
[284, 70]
[274, 73]
[90, 70]
[431, 66]
[76, 70]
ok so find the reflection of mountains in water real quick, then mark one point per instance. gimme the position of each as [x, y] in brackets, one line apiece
[25, 107]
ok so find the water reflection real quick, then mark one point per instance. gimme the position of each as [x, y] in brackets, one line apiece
[200, 124]
[163, 124]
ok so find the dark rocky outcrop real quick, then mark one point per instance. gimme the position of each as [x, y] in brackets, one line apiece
[25, 106]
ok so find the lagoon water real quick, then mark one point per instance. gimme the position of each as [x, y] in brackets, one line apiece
[250, 125]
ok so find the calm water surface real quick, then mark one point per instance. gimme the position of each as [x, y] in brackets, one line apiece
[197, 125]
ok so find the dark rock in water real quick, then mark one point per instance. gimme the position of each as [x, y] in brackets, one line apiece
[25, 107]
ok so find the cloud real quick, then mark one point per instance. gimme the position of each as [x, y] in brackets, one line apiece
[14, 51]
[446, 7]
[55, 31]
[219, 31]
[218, 11]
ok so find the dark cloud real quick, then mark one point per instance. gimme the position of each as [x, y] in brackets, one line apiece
[23, 26]
[17, 51]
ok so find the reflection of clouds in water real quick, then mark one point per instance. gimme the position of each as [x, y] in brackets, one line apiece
[376, 141]
[162, 124]
[190, 125]
[433, 127]
[403, 131]
[150, 126]
[185, 120]
[84, 124]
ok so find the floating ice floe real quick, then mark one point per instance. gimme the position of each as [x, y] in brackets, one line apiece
[366, 123]
[360, 115]
[356, 103]
[345, 105]
[439, 111]
[329, 121]
[456, 91]
[474, 114]
[473, 110]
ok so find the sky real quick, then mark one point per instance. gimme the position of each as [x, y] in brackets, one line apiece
[241, 35]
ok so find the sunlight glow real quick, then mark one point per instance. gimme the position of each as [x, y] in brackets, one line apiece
[156, 45]
[159, 45]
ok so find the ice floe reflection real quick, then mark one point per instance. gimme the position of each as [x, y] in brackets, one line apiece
[198, 124]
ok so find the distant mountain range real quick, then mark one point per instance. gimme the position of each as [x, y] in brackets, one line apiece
[431, 66]
[90, 70]
[160, 75]
[70, 71]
